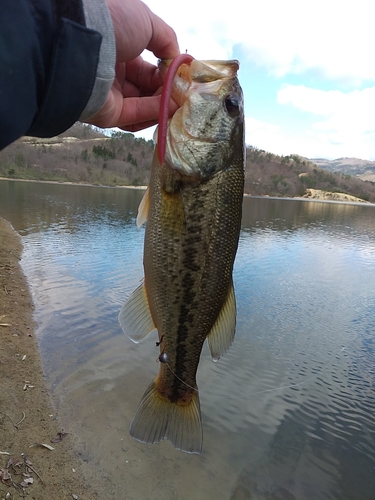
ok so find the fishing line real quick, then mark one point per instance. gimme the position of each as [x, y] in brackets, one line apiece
[312, 377]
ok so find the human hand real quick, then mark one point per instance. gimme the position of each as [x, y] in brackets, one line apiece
[134, 100]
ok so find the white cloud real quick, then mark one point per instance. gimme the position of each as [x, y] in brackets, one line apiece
[258, 133]
[347, 117]
[315, 101]
[334, 38]
[274, 138]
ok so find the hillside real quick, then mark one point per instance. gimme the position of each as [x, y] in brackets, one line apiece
[85, 155]
[81, 154]
[291, 176]
[363, 169]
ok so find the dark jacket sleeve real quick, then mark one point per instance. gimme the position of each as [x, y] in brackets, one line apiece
[48, 62]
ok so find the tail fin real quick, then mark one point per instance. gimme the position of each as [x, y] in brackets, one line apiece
[157, 418]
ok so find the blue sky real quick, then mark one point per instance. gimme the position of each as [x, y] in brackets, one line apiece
[307, 68]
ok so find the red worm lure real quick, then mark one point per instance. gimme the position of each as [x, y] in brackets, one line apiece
[164, 103]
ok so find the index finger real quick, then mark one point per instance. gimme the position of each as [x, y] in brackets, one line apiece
[163, 42]
[136, 111]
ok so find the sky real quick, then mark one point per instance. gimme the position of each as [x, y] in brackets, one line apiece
[307, 68]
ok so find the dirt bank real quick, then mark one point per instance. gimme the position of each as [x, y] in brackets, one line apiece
[26, 414]
[317, 194]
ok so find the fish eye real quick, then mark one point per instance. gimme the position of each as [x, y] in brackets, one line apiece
[232, 105]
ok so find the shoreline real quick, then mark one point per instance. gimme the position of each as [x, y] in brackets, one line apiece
[247, 195]
[68, 183]
[27, 416]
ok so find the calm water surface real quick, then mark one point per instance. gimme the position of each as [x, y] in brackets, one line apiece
[288, 413]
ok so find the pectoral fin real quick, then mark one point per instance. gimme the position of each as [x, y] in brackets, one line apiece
[135, 316]
[143, 208]
[221, 335]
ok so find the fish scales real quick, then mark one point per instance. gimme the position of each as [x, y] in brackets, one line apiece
[193, 208]
[188, 265]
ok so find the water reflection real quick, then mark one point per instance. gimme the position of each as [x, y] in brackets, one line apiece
[287, 413]
[38, 206]
[281, 215]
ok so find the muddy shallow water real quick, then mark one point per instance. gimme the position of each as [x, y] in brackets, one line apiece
[287, 412]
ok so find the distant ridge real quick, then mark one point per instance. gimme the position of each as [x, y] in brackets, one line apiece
[363, 169]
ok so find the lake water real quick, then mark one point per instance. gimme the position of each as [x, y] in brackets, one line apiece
[288, 412]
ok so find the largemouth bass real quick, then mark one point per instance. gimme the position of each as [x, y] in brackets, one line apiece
[193, 210]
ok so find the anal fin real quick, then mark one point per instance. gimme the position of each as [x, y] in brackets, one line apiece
[135, 317]
[221, 335]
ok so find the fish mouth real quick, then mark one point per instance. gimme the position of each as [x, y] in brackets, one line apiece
[183, 76]
[197, 72]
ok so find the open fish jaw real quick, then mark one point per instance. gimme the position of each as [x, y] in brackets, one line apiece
[200, 135]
